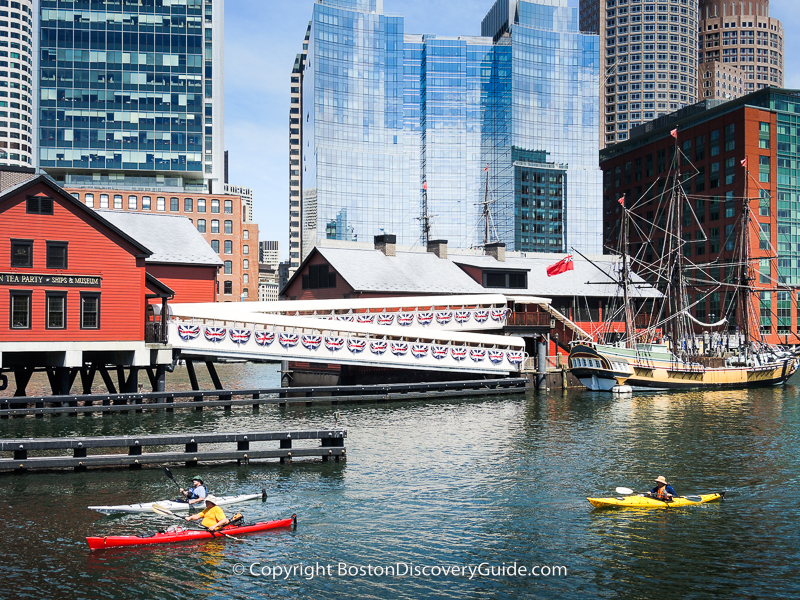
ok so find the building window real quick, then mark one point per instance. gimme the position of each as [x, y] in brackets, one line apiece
[318, 277]
[88, 199]
[228, 247]
[246, 234]
[215, 246]
[201, 225]
[763, 270]
[228, 287]
[784, 313]
[133, 202]
[174, 204]
[245, 264]
[103, 200]
[188, 205]
[246, 278]
[56, 310]
[214, 226]
[730, 142]
[37, 205]
[20, 309]
[145, 202]
[228, 267]
[161, 204]
[90, 310]
[763, 169]
[245, 292]
[117, 201]
[21, 253]
[201, 205]
[764, 236]
[56, 255]
[763, 135]
[228, 227]
[763, 203]
[505, 279]
[245, 249]
[215, 206]
[228, 207]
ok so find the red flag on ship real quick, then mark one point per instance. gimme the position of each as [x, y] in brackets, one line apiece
[622, 200]
[565, 264]
[744, 162]
[424, 185]
[674, 133]
[487, 167]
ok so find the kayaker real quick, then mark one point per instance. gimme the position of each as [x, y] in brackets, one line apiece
[663, 490]
[213, 516]
[197, 493]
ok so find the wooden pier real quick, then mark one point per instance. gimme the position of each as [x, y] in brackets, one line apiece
[331, 447]
[296, 396]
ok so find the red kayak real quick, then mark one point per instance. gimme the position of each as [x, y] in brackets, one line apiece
[188, 535]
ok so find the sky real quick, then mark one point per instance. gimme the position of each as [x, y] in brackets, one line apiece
[262, 38]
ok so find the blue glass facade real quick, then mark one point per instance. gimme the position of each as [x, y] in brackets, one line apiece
[386, 115]
[131, 93]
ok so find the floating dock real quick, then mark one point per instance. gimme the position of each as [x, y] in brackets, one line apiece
[82, 449]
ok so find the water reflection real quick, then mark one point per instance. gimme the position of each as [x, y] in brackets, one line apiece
[453, 482]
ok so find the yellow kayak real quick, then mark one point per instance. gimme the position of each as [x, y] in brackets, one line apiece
[647, 502]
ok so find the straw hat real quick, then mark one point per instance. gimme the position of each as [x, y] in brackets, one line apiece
[661, 479]
[212, 499]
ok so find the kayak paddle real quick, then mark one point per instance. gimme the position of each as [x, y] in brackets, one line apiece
[627, 492]
[164, 512]
[169, 474]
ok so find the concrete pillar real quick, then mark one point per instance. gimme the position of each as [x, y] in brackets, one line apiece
[541, 363]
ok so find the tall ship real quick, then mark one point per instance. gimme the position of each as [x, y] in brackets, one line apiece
[663, 345]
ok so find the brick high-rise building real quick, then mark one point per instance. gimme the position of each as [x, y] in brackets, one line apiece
[707, 158]
[738, 35]
[220, 218]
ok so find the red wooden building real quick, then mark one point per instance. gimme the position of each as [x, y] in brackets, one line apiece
[73, 289]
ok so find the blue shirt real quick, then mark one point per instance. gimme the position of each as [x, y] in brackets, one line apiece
[198, 492]
[667, 488]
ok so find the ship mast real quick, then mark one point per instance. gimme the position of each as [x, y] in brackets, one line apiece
[426, 221]
[745, 278]
[486, 208]
[630, 332]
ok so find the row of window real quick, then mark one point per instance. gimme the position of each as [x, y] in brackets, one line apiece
[201, 226]
[22, 254]
[161, 203]
[56, 303]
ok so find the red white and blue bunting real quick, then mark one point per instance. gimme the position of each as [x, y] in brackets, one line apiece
[215, 334]
[378, 347]
[334, 343]
[356, 345]
[188, 332]
[288, 340]
[240, 336]
[425, 318]
[264, 338]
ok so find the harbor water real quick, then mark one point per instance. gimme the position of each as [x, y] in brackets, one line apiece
[437, 499]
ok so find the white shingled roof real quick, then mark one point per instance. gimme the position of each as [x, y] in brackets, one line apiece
[586, 279]
[407, 272]
[173, 239]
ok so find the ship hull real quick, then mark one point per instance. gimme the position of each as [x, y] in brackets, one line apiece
[659, 370]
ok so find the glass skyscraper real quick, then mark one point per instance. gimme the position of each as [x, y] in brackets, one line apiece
[131, 93]
[411, 134]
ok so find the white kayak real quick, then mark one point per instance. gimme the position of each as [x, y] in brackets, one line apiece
[176, 506]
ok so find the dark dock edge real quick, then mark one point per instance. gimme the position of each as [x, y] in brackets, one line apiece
[282, 397]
